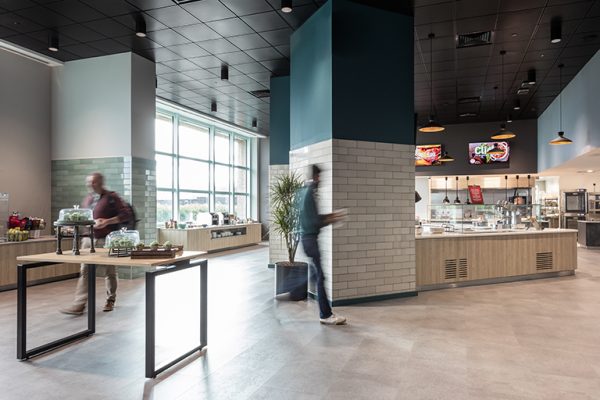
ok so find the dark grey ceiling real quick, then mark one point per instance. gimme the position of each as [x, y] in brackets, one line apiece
[190, 43]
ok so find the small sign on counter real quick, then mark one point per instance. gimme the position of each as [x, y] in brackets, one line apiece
[476, 194]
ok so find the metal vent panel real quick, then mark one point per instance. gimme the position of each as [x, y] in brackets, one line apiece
[543, 261]
[261, 94]
[463, 268]
[474, 39]
[450, 269]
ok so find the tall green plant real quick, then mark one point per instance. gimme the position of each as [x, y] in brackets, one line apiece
[285, 210]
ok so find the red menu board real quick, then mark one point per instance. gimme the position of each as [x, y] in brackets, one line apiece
[475, 194]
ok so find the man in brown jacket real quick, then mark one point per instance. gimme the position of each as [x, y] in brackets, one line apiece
[108, 211]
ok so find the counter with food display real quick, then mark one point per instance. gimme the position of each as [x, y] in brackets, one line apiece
[213, 237]
[448, 259]
[9, 251]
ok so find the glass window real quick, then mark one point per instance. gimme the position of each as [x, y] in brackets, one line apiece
[164, 171]
[222, 203]
[164, 206]
[193, 175]
[240, 206]
[191, 204]
[221, 178]
[240, 180]
[222, 148]
[194, 141]
[240, 152]
[163, 136]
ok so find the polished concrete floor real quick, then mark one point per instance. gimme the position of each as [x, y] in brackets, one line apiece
[528, 340]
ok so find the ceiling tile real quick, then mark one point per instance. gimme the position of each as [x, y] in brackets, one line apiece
[109, 27]
[277, 37]
[265, 22]
[12, 5]
[111, 8]
[109, 46]
[247, 6]
[208, 10]
[45, 17]
[251, 41]
[81, 32]
[207, 61]
[218, 46]
[519, 5]
[173, 16]
[237, 57]
[299, 15]
[18, 24]
[181, 65]
[150, 4]
[137, 43]
[151, 23]
[199, 74]
[163, 54]
[278, 67]
[197, 32]
[251, 67]
[84, 51]
[75, 10]
[264, 54]
[188, 50]
[167, 37]
[284, 50]
[230, 27]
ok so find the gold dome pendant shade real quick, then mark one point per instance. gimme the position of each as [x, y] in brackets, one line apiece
[432, 126]
[503, 133]
[561, 139]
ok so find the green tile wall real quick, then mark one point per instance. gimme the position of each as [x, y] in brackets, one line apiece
[133, 178]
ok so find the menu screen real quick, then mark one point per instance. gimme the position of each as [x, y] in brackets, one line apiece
[428, 154]
[488, 152]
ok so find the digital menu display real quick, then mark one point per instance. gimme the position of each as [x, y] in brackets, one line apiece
[428, 154]
[488, 152]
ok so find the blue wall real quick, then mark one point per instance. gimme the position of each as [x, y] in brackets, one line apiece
[373, 79]
[279, 136]
[581, 118]
[311, 84]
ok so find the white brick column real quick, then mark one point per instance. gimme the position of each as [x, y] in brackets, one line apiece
[372, 254]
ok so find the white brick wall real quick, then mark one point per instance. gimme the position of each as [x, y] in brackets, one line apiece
[373, 251]
[277, 250]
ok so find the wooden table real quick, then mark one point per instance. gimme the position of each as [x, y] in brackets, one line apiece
[155, 267]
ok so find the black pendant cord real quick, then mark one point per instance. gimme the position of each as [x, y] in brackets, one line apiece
[502, 53]
[506, 186]
[560, 67]
[431, 36]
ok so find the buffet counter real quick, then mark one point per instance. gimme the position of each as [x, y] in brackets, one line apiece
[9, 251]
[457, 259]
[213, 238]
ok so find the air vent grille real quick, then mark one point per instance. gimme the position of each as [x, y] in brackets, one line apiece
[463, 270]
[474, 39]
[261, 94]
[450, 269]
[469, 100]
[543, 261]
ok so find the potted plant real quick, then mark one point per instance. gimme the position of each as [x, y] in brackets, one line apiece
[290, 276]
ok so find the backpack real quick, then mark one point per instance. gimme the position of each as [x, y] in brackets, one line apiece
[130, 224]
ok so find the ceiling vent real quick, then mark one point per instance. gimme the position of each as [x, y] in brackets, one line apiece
[469, 100]
[473, 39]
[261, 94]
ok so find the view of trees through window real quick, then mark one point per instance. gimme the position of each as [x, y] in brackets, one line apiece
[199, 168]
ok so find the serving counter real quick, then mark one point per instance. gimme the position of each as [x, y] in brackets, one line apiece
[456, 259]
[213, 238]
[9, 251]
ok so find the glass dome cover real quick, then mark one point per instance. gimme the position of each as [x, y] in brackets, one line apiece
[75, 214]
[122, 239]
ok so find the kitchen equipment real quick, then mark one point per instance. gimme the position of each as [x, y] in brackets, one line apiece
[574, 202]
[226, 219]
[215, 218]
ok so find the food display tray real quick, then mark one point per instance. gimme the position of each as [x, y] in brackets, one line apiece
[161, 252]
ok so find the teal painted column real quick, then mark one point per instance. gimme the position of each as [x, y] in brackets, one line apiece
[351, 87]
[279, 135]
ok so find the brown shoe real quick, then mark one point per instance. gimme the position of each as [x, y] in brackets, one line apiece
[73, 309]
[109, 306]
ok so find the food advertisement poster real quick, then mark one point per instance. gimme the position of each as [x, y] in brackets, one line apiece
[475, 194]
[428, 154]
[488, 152]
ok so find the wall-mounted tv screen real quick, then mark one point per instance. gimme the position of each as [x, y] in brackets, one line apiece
[428, 154]
[488, 152]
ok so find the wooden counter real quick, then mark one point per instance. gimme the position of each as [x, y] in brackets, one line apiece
[449, 259]
[201, 239]
[9, 251]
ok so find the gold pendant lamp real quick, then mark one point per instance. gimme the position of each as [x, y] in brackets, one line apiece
[432, 125]
[561, 139]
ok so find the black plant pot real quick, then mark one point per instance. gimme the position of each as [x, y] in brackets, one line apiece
[291, 278]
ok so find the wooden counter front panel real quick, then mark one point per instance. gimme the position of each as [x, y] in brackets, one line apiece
[448, 260]
[201, 240]
[8, 262]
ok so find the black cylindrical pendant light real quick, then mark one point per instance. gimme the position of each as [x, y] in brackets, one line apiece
[286, 6]
[140, 26]
[254, 123]
[531, 77]
[555, 30]
[53, 42]
[213, 106]
[224, 72]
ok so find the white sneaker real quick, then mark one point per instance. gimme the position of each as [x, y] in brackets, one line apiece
[333, 320]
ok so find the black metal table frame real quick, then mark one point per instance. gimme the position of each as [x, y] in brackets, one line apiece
[151, 371]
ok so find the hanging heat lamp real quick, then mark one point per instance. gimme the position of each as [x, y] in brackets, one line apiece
[457, 200]
[432, 125]
[446, 157]
[506, 186]
[446, 199]
[503, 133]
[561, 139]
